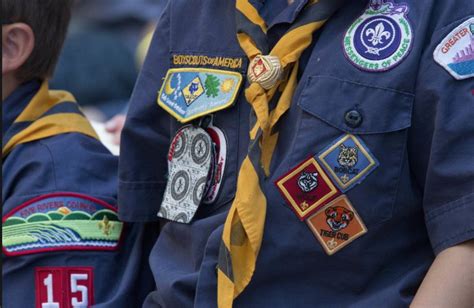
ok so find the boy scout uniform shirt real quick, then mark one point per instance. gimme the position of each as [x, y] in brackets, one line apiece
[415, 118]
[81, 167]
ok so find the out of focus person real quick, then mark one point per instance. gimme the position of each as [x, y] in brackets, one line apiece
[100, 51]
[62, 242]
[115, 125]
[104, 49]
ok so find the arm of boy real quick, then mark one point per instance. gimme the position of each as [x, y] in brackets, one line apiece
[441, 150]
[450, 280]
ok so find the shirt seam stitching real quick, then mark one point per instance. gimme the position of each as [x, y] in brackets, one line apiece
[405, 93]
[451, 206]
[52, 162]
[449, 239]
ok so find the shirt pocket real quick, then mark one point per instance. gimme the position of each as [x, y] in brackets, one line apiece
[330, 108]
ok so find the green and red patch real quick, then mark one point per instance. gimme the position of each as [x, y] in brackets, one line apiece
[61, 221]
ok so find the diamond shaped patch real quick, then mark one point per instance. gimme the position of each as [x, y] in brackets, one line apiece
[348, 161]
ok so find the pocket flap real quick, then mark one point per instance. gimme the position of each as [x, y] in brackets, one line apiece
[381, 110]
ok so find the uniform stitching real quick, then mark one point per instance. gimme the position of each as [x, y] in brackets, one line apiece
[448, 207]
[449, 239]
[207, 53]
[399, 174]
[364, 85]
[141, 185]
[52, 162]
[444, 30]
[407, 95]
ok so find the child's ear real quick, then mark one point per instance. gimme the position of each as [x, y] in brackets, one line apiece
[18, 41]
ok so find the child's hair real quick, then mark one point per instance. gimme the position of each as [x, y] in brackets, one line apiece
[49, 20]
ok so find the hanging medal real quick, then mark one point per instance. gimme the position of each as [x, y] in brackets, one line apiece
[189, 164]
[219, 145]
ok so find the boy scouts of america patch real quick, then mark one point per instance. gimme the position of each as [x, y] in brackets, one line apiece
[380, 38]
[336, 225]
[306, 188]
[455, 53]
[189, 163]
[62, 221]
[348, 161]
[190, 93]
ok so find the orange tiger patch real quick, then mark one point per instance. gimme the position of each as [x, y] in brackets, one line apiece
[338, 217]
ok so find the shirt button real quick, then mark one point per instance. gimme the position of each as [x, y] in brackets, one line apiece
[353, 118]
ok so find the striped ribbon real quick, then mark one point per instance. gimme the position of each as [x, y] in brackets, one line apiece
[243, 229]
[49, 113]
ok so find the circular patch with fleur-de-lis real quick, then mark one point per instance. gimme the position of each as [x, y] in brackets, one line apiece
[380, 38]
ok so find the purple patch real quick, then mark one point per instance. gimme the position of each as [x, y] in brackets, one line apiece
[380, 38]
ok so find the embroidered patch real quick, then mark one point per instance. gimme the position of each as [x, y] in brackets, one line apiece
[57, 287]
[218, 164]
[336, 225]
[306, 188]
[190, 93]
[62, 221]
[213, 61]
[455, 53]
[348, 161]
[189, 163]
[380, 38]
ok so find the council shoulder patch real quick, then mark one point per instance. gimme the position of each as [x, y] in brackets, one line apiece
[348, 161]
[380, 38]
[61, 221]
[455, 53]
[336, 225]
[190, 93]
[306, 188]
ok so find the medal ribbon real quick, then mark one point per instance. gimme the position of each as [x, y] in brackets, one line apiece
[243, 229]
[49, 113]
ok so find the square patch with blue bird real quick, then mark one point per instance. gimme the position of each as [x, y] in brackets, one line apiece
[61, 221]
[190, 93]
[348, 161]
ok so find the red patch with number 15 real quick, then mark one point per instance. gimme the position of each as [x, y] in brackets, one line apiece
[64, 287]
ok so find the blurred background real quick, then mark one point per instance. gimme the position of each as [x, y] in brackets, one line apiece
[103, 53]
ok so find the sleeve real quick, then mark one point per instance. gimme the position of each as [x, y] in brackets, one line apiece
[441, 145]
[27, 172]
[145, 138]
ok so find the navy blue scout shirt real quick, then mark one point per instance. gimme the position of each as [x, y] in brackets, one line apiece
[414, 118]
[65, 175]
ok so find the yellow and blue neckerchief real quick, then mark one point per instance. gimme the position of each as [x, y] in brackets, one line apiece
[47, 114]
[243, 229]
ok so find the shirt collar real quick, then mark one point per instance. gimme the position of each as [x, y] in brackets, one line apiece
[16, 102]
